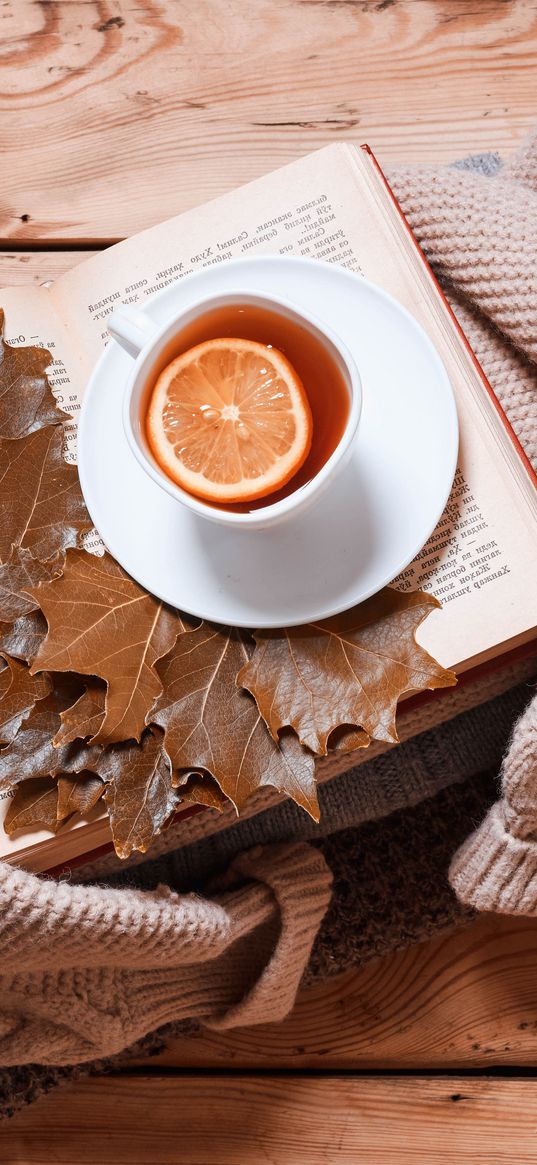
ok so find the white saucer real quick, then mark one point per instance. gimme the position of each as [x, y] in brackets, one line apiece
[357, 538]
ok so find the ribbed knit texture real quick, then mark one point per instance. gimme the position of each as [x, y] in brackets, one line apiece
[88, 970]
[496, 868]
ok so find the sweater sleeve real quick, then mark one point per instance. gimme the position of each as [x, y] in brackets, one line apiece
[87, 971]
[479, 234]
[496, 868]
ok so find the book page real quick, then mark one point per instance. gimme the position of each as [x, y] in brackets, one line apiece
[484, 552]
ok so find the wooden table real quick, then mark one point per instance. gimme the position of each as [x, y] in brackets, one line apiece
[118, 114]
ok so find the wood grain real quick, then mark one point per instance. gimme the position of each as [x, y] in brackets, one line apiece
[467, 1000]
[30, 268]
[119, 115]
[289, 1120]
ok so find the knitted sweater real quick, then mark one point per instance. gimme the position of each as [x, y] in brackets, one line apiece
[86, 970]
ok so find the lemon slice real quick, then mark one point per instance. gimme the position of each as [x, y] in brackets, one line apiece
[229, 421]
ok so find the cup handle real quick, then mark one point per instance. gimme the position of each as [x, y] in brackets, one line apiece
[131, 328]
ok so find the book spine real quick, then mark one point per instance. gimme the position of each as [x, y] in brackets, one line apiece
[486, 385]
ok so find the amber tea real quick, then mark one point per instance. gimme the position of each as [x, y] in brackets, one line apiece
[320, 376]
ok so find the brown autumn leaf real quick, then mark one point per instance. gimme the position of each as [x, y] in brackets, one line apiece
[23, 638]
[41, 504]
[26, 400]
[346, 738]
[5, 683]
[210, 724]
[17, 574]
[135, 777]
[32, 754]
[33, 806]
[348, 670]
[19, 691]
[77, 794]
[46, 802]
[102, 623]
[139, 793]
[201, 789]
[84, 718]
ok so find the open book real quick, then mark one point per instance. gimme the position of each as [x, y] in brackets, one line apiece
[334, 206]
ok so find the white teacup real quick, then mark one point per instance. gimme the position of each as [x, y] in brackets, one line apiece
[145, 341]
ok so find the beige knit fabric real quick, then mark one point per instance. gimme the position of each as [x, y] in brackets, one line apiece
[496, 869]
[86, 971]
[480, 237]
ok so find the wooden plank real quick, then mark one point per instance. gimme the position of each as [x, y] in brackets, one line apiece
[466, 1000]
[116, 119]
[289, 1120]
[30, 268]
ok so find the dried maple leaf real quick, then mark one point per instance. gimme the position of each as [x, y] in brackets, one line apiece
[34, 805]
[26, 400]
[41, 504]
[348, 739]
[136, 778]
[348, 670]
[139, 794]
[19, 572]
[77, 794]
[210, 724]
[201, 789]
[101, 623]
[23, 638]
[32, 754]
[47, 803]
[84, 718]
[5, 683]
[19, 691]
